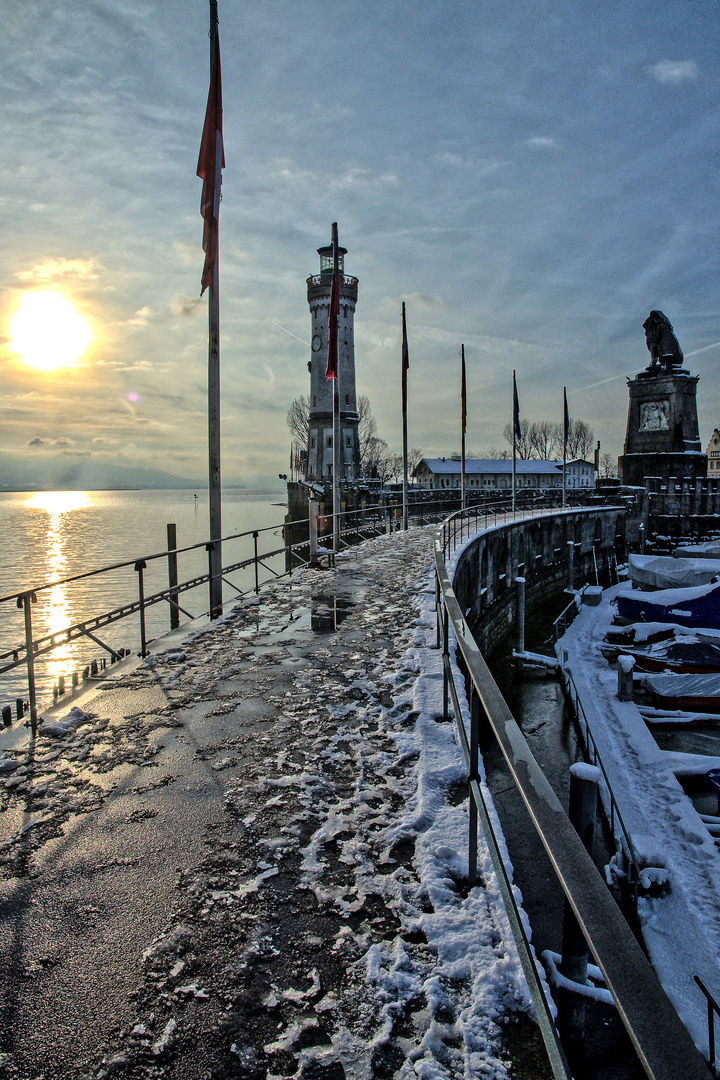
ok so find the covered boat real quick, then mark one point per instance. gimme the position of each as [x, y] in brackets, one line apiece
[699, 606]
[663, 572]
[709, 550]
[691, 693]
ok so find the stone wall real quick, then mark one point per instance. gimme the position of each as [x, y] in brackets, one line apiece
[551, 553]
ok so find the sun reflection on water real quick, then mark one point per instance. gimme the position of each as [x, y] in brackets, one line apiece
[54, 610]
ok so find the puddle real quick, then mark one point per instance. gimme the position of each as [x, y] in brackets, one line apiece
[328, 611]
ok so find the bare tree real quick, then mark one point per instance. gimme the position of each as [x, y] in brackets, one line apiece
[375, 463]
[498, 455]
[580, 439]
[415, 456]
[542, 439]
[608, 465]
[298, 420]
[523, 448]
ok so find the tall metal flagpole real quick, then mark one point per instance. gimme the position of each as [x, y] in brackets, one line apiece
[515, 422]
[404, 371]
[566, 426]
[337, 437]
[214, 489]
[463, 425]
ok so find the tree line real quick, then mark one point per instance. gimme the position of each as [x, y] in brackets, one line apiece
[541, 439]
[544, 440]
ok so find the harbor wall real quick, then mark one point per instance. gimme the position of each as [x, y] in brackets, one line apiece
[552, 553]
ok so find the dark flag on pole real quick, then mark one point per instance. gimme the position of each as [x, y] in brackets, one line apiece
[516, 411]
[566, 420]
[463, 393]
[405, 362]
[331, 371]
[211, 162]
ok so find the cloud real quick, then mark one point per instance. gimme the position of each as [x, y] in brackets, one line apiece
[541, 142]
[61, 269]
[37, 441]
[186, 305]
[674, 71]
[140, 318]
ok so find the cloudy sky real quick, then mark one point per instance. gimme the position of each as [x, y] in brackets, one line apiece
[531, 179]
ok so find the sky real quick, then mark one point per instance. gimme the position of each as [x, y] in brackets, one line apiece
[531, 179]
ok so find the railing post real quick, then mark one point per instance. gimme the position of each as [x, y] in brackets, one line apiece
[571, 564]
[173, 575]
[445, 659]
[313, 531]
[257, 577]
[584, 781]
[140, 565]
[24, 602]
[473, 775]
[520, 613]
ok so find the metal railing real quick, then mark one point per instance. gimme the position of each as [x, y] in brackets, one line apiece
[592, 752]
[355, 525]
[662, 1043]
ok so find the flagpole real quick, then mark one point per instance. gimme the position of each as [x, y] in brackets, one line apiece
[566, 425]
[337, 447]
[463, 425]
[514, 427]
[404, 370]
[214, 486]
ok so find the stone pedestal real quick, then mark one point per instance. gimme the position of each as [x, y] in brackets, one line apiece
[662, 436]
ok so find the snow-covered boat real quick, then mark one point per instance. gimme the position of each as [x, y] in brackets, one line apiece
[663, 572]
[690, 692]
[680, 657]
[698, 606]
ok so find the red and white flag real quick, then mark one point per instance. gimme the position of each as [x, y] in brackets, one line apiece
[211, 162]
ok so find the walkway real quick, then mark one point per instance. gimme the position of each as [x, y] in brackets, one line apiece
[245, 856]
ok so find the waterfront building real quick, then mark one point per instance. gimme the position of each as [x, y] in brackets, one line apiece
[579, 474]
[490, 474]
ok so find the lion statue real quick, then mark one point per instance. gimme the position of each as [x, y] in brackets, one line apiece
[665, 351]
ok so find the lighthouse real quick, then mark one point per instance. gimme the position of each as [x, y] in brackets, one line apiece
[319, 465]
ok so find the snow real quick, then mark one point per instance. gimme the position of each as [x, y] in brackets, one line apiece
[337, 777]
[679, 859]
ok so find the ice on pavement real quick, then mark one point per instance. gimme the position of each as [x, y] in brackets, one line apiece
[329, 925]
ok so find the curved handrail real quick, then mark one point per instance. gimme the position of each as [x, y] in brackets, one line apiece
[662, 1043]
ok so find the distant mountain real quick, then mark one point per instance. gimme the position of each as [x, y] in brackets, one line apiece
[47, 474]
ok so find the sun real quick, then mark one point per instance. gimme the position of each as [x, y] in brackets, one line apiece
[47, 332]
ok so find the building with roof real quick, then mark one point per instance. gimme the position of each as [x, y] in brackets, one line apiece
[713, 454]
[578, 474]
[490, 474]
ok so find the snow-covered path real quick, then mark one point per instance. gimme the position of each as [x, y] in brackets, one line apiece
[246, 855]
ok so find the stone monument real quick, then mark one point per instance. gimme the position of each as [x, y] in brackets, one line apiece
[662, 438]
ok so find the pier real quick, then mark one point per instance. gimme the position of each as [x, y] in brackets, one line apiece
[248, 851]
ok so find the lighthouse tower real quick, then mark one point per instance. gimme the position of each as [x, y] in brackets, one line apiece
[320, 437]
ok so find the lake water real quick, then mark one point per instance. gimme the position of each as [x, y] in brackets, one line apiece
[50, 536]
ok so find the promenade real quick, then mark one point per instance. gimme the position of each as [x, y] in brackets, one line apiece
[245, 856]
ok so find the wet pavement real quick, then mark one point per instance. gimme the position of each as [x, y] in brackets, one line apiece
[206, 865]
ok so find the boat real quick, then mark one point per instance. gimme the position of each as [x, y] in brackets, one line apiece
[687, 692]
[698, 606]
[680, 657]
[664, 572]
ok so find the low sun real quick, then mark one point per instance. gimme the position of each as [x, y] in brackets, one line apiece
[47, 332]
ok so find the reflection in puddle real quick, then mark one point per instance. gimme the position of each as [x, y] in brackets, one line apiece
[327, 611]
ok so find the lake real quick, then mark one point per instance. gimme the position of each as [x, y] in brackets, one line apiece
[51, 536]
